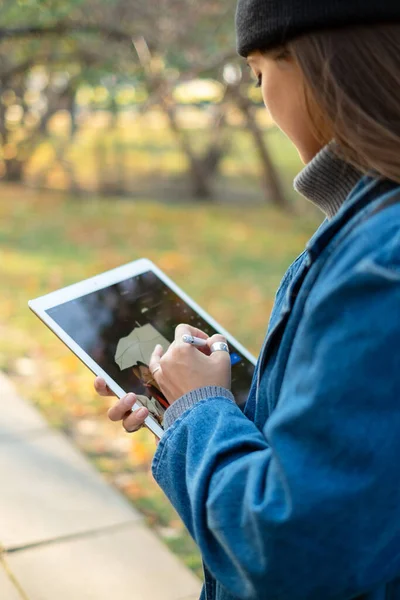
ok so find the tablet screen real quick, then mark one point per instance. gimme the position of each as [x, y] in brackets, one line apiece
[119, 327]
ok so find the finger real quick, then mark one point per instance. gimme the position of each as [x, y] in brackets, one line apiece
[119, 410]
[135, 420]
[184, 329]
[154, 364]
[102, 388]
[218, 355]
[216, 338]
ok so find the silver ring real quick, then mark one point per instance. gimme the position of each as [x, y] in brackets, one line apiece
[155, 370]
[220, 346]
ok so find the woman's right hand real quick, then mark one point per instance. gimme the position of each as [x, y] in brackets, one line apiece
[122, 409]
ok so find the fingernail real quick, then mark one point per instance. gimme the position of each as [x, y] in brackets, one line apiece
[129, 399]
[142, 413]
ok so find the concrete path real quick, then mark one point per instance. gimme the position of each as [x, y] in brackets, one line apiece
[65, 534]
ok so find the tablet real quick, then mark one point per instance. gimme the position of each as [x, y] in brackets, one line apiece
[113, 321]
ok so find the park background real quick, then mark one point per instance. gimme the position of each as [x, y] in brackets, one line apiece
[131, 129]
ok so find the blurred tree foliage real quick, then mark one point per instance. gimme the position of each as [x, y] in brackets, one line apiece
[48, 50]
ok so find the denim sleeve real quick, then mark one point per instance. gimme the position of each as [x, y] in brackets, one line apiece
[310, 506]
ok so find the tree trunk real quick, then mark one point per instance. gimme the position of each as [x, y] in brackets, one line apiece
[160, 88]
[198, 175]
[218, 147]
[14, 170]
[271, 184]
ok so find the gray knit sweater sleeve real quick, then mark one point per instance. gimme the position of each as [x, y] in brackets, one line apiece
[188, 400]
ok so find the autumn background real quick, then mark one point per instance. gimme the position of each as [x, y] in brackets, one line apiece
[131, 129]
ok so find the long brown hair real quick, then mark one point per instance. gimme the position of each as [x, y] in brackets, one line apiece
[352, 92]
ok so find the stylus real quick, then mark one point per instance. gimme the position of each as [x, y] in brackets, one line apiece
[195, 341]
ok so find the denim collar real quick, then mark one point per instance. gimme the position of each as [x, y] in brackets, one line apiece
[368, 191]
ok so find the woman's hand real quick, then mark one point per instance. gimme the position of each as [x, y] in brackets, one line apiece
[183, 368]
[122, 410]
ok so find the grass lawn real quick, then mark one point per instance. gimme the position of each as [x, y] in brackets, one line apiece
[230, 259]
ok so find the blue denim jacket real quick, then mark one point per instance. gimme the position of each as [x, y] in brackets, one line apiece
[298, 497]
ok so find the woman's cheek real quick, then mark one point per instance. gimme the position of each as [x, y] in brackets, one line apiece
[276, 104]
[285, 107]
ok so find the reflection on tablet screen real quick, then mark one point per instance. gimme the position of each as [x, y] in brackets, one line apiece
[119, 327]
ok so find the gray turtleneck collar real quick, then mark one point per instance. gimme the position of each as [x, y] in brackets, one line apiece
[327, 180]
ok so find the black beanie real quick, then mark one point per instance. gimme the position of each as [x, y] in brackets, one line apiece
[263, 24]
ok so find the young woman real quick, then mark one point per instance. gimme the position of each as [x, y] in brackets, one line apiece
[298, 496]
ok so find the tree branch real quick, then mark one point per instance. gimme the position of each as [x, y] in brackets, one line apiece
[86, 57]
[21, 67]
[64, 28]
[210, 66]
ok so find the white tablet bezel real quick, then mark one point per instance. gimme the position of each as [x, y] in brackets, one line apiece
[106, 279]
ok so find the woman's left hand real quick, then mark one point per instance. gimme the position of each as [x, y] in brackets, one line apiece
[184, 368]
